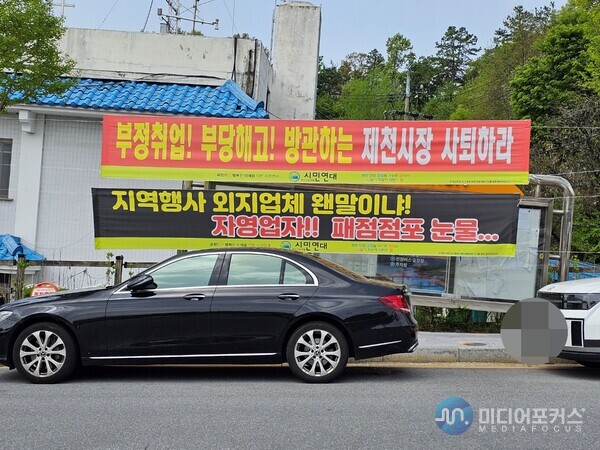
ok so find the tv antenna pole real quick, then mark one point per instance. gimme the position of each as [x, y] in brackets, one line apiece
[178, 12]
[62, 6]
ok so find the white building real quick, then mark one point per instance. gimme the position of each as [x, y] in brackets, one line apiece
[50, 151]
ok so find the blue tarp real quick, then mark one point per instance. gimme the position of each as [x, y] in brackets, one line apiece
[11, 247]
[577, 270]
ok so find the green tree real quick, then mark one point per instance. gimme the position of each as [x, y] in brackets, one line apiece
[443, 104]
[454, 52]
[571, 147]
[447, 72]
[29, 56]
[358, 65]
[368, 97]
[329, 87]
[560, 75]
[423, 81]
[558, 90]
[591, 25]
[375, 87]
[399, 53]
[486, 94]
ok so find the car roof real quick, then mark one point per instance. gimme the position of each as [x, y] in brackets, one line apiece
[246, 249]
[302, 256]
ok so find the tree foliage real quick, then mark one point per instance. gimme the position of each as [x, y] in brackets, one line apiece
[544, 65]
[454, 52]
[559, 75]
[29, 56]
[424, 81]
[487, 92]
[557, 90]
[366, 85]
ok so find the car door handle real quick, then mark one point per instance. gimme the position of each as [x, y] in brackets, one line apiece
[289, 296]
[194, 296]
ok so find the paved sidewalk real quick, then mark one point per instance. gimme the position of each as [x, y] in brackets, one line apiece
[438, 347]
[455, 347]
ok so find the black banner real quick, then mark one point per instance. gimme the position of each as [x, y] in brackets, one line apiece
[425, 223]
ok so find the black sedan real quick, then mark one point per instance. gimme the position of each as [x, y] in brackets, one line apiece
[240, 306]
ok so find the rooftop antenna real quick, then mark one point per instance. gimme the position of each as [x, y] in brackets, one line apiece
[177, 12]
[62, 6]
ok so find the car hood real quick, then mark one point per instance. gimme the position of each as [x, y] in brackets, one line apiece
[61, 295]
[584, 286]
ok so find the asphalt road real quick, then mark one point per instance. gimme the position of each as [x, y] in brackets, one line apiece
[265, 407]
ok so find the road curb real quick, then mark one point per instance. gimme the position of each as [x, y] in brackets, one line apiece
[450, 355]
[455, 355]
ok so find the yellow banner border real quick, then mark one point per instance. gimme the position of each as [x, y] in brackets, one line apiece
[295, 176]
[324, 246]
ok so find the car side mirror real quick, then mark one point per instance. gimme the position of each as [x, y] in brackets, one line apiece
[142, 282]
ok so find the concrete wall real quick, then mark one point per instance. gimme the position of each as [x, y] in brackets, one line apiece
[295, 60]
[169, 58]
[287, 86]
[263, 74]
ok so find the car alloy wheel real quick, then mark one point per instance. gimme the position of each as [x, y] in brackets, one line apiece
[317, 352]
[44, 353]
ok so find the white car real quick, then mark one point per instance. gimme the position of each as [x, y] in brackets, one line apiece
[579, 301]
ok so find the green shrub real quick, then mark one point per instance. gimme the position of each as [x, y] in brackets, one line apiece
[456, 319]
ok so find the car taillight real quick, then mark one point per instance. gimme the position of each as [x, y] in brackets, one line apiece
[397, 302]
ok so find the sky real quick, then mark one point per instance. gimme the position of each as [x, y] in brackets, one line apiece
[347, 25]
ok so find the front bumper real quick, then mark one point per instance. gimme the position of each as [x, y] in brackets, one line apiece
[581, 354]
[7, 328]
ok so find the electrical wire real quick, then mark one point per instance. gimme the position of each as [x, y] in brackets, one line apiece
[111, 10]
[148, 15]
[233, 27]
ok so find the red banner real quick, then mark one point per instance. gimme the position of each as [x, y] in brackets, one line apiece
[304, 151]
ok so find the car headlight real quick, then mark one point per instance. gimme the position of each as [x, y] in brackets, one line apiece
[5, 315]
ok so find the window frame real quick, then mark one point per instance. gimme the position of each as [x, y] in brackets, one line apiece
[6, 148]
[213, 281]
[284, 262]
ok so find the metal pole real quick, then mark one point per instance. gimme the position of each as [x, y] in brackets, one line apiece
[118, 269]
[407, 97]
[566, 230]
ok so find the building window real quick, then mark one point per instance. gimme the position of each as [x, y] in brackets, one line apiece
[5, 154]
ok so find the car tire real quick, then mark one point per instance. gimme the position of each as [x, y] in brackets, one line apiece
[45, 353]
[317, 352]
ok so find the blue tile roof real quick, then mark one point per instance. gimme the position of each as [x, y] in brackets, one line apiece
[11, 248]
[227, 100]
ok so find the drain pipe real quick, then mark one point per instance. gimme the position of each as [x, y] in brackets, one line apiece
[566, 229]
